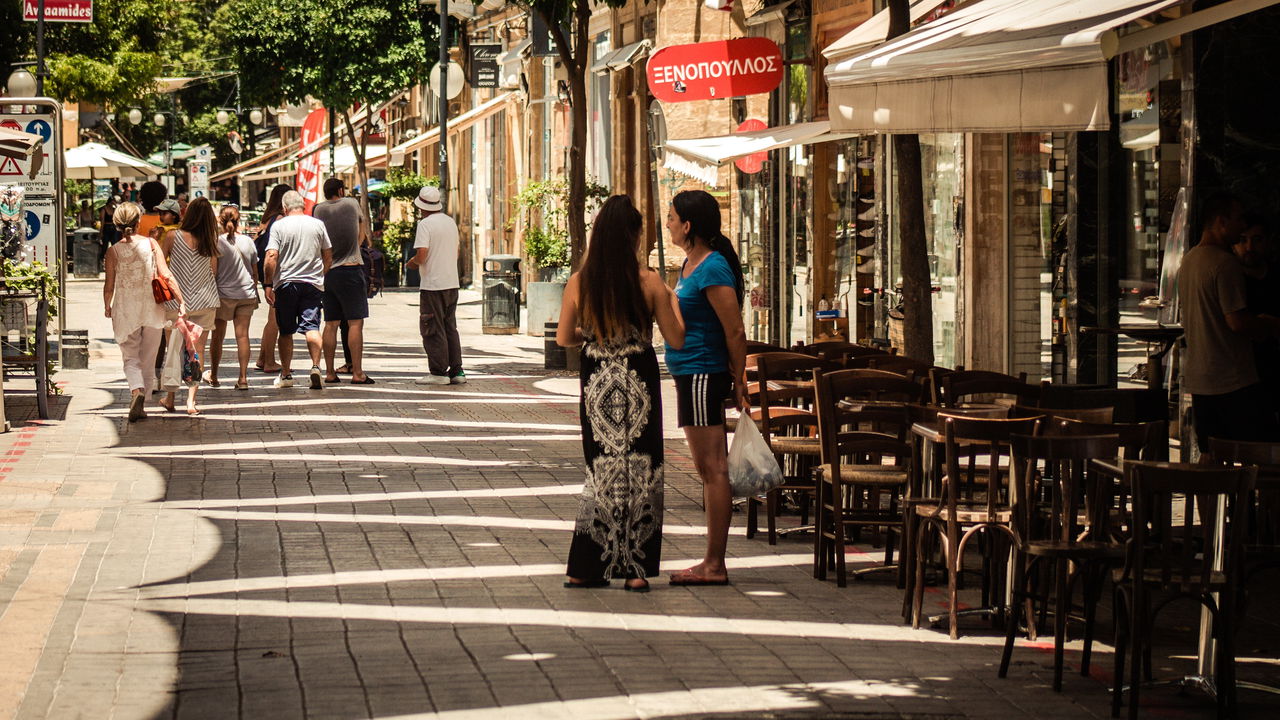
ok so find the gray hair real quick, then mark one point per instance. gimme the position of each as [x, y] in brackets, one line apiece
[292, 200]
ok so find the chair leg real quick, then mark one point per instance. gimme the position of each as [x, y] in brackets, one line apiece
[954, 563]
[906, 568]
[1092, 594]
[819, 531]
[1062, 590]
[917, 597]
[1121, 642]
[1139, 638]
[837, 531]
[753, 516]
[771, 514]
[1011, 625]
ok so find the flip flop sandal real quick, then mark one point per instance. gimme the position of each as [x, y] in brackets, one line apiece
[242, 386]
[366, 381]
[636, 588]
[335, 380]
[344, 370]
[586, 584]
[691, 580]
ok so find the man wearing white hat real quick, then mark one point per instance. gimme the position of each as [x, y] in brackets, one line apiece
[436, 257]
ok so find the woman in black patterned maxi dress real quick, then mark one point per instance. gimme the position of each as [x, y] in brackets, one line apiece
[609, 308]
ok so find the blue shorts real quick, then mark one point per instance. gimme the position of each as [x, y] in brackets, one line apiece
[298, 307]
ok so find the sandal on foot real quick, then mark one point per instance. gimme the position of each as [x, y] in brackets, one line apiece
[366, 381]
[586, 584]
[335, 379]
[136, 409]
[242, 385]
[689, 578]
[343, 370]
[636, 588]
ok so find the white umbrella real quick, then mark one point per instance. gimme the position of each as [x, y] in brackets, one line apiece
[95, 160]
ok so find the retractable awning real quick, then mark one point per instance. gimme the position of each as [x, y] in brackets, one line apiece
[992, 66]
[457, 124]
[256, 163]
[700, 157]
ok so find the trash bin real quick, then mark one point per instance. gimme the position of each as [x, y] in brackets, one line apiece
[500, 311]
[86, 245]
[553, 356]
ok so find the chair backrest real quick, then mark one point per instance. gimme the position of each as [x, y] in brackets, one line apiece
[865, 434]
[1062, 464]
[967, 437]
[1132, 405]
[1091, 415]
[834, 350]
[1139, 441]
[871, 386]
[960, 385]
[1264, 529]
[795, 395]
[1177, 509]
[893, 363]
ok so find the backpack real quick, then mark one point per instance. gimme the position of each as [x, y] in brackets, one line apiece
[374, 266]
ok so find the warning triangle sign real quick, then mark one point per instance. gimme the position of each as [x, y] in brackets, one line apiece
[9, 166]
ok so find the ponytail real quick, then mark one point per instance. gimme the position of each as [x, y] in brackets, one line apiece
[724, 246]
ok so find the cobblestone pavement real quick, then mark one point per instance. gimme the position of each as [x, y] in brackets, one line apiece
[395, 551]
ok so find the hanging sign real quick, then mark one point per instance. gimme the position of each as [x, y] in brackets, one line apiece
[80, 11]
[753, 163]
[313, 140]
[711, 70]
[484, 65]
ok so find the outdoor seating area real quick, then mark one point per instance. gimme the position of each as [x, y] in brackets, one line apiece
[1042, 509]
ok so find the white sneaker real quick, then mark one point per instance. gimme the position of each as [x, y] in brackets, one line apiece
[283, 381]
[459, 379]
[432, 380]
[316, 383]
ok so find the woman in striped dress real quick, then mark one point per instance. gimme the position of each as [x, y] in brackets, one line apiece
[194, 263]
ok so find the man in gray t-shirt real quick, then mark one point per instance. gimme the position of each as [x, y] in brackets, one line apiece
[298, 256]
[346, 285]
[1217, 368]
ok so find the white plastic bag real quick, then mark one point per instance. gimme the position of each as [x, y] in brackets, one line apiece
[171, 371]
[752, 468]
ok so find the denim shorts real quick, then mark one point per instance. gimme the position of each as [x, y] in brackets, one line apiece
[298, 307]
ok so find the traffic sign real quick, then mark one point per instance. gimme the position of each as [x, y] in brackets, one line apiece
[42, 229]
[14, 171]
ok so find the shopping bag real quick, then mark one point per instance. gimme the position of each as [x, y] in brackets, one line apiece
[171, 371]
[752, 468]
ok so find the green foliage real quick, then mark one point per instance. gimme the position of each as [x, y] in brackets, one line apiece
[341, 52]
[120, 78]
[74, 190]
[544, 204]
[405, 185]
[394, 236]
[32, 276]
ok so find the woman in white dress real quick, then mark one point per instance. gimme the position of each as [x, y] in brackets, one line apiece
[136, 319]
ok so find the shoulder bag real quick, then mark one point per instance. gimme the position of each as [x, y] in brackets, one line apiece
[161, 288]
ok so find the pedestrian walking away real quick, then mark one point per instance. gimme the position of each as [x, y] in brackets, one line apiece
[609, 309]
[266, 362]
[298, 257]
[436, 254]
[137, 320]
[194, 261]
[346, 287]
[238, 294]
[710, 368]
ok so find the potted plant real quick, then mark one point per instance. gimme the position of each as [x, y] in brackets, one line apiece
[397, 236]
[543, 208]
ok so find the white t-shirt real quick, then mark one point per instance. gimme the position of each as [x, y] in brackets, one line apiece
[299, 240]
[439, 234]
[1211, 285]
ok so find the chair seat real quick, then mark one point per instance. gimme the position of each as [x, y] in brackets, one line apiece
[1217, 579]
[1093, 549]
[853, 474]
[795, 446]
[965, 512]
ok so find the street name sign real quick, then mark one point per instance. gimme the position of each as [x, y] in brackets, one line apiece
[715, 70]
[79, 11]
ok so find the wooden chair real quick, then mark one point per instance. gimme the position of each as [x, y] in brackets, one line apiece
[957, 387]
[958, 514]
[1177, 511]
[1131, 405]
[1138, 441]
[1089, 415]
[1069, 533]
[789, 426]
[1262, 541]
[835, 350]
[866, 492]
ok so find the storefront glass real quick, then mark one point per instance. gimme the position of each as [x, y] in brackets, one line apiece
[857, 269]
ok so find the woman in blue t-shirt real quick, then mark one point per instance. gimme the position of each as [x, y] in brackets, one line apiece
[709, 369]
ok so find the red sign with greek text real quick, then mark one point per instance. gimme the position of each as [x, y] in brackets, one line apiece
[80, 11]
[711, 70]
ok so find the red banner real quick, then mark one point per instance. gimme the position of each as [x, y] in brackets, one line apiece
[710, 70]
[314, 137]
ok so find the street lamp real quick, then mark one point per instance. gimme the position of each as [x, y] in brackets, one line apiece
[160, 119]
[21, 83]
[135, 116]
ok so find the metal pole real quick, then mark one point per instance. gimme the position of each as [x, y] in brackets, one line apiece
[444, 102]
[333, 144]
[40, 49]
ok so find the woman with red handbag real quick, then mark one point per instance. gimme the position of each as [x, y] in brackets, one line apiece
[136, 275]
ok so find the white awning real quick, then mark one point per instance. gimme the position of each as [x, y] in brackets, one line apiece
[992, 66]
[873, 31]
[256, 163]
[700, 157]
[344, 157]
[457, 124]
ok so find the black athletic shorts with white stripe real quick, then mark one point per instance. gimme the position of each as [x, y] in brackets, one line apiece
[700, 398]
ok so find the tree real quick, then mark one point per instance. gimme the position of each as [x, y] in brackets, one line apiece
[574, 52]
[917, 285]
[344, 53]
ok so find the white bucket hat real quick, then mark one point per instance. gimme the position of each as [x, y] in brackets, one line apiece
[429, 199]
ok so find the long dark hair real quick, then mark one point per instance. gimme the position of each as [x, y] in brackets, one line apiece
[229, 221]
[200, 223]
[702, 212]
[275, 203]
[609, 296]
